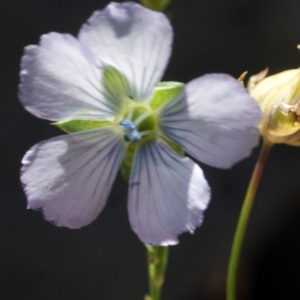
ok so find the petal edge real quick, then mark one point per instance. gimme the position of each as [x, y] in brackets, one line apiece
[69, 177]
[215, 120]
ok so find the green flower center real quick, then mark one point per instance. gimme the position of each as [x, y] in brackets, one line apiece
[138, 122]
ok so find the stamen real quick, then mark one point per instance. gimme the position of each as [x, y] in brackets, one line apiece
[130, 130]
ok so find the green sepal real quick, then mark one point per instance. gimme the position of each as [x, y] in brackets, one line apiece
[126, 164]
[115, 84]
[80, 125]
[164, 92]
[176, 148]
[158, 5]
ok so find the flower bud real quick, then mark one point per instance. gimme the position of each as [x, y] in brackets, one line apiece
[279, 99]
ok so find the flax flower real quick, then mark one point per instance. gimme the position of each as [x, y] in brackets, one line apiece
[103, 87]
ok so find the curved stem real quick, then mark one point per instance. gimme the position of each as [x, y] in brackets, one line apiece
[157, 264]
[243, 220]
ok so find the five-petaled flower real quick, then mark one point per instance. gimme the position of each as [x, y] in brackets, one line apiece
[107, 80]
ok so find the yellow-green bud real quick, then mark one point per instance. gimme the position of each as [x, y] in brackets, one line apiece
[279, 99]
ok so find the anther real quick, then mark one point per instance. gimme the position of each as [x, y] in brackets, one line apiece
[130, 130]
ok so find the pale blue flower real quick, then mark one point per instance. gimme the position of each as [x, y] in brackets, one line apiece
[110, 72]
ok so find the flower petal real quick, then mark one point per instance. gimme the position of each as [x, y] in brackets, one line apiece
[167, 196]
[134, 40]
[215, 120]
[70, 176]
[60, 81]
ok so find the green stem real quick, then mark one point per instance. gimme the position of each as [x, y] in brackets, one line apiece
[157, 264]
[243, 220]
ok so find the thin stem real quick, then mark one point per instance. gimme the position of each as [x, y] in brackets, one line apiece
[243, 220]
[157, 264]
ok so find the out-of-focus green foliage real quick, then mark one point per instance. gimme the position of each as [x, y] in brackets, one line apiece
[158, 5]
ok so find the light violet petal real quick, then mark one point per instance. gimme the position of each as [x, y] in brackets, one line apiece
[69, 177]
[60, 81]
[215, 120]
[134, 40]
[167, 194]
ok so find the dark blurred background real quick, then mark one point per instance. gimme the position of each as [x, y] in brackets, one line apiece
[105, 260]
